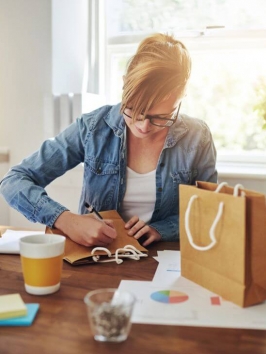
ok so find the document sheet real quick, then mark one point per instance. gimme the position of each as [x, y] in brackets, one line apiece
[171, 299]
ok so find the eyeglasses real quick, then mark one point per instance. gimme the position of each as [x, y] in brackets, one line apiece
[155, 120]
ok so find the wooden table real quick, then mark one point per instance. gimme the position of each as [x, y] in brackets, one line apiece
[61, 325]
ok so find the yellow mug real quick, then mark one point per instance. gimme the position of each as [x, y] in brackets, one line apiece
[41, 259]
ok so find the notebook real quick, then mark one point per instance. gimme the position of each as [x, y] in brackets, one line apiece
[76, 254]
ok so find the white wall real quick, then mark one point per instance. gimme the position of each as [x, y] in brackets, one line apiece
[25, 73]
[39, 55]
[69, 45]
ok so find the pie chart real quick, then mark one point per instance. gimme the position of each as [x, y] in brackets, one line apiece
[169, 296]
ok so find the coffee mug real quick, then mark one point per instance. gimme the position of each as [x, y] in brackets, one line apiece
[42, 259]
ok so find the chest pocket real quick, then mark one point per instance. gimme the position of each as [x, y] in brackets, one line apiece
[184, 176]
[101, 168]
[101, 184]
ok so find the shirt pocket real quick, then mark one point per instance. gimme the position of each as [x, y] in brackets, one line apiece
[101, 167]
[102, 181]
[182, 177]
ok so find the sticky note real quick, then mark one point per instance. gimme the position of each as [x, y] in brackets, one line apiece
[12, 305]
[24, 320]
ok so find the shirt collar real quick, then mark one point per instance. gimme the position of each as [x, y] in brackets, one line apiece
[115, 120]
[176, 132]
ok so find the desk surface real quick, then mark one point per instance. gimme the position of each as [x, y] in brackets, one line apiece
[61, 325]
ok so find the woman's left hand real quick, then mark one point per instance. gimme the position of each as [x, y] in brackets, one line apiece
[137, 228]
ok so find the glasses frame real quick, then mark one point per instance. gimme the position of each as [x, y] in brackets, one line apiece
[165, 119]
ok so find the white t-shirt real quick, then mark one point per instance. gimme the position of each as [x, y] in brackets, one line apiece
[140, 195]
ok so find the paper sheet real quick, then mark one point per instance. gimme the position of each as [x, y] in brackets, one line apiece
[174, 300]
[9, 242]
[169, 268]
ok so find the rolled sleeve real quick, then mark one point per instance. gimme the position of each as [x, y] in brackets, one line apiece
[168, 228]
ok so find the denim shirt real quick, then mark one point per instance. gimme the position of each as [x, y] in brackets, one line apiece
[98, 139]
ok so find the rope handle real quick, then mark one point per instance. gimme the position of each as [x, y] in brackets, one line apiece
[236, 189]
[216, 220]
[212, 229]
[127, 251]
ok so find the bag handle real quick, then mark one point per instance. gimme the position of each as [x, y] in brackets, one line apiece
[212, 229]
[220, 186]
[216, 220]
[236, 189]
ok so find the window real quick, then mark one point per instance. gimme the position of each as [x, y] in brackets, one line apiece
[227, 42]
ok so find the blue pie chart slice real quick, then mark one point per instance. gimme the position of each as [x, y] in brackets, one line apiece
[169, 296]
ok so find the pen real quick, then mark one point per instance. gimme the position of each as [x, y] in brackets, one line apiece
[91, 209]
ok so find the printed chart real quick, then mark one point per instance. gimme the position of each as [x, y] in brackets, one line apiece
[171, 299]
[188, 304]
[169, 296]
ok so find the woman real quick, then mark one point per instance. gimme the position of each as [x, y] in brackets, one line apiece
[135, 155]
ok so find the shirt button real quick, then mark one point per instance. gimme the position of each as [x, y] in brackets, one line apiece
[162, 164]
[159, 189]
[99, 170]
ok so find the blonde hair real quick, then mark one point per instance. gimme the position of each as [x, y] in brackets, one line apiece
[161, 65]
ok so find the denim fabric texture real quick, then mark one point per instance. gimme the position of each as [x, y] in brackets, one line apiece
[98, 141]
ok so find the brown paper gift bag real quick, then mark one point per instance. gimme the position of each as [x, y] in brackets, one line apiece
[77, 254]
[223, 240]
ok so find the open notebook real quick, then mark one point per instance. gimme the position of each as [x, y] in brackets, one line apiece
[123, 246]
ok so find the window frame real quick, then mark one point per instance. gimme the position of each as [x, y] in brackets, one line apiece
[219, 38]
[244, 163]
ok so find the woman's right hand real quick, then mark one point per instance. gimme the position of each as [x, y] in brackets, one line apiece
[85, 229]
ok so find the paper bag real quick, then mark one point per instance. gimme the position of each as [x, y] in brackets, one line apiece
[77, 254]
[223, 241]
